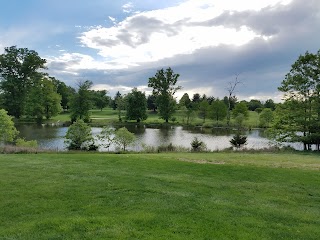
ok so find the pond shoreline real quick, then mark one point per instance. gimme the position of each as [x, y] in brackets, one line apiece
[51, 136]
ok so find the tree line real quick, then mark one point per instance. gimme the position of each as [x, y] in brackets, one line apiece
[28, 91]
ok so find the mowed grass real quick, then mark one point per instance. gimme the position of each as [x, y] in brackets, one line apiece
[160, 196]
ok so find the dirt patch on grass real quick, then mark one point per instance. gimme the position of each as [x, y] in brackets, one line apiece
[200, 161]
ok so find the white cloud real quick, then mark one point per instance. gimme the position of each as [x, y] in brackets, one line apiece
[73, 62]
[207, 41]
[112, 19]
[128, 7]
[155, 35]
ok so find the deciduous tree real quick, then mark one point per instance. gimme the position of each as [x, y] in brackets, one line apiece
[136, 105]
[300, 112]
[151, 103]
[100, 99]
[240, 108]
[218, 110]
[184, 100]
[19, 67]
[164, 88]
[123, 138]
[79, 136]
[266, 117]
[66, 92]
[8, 131]
[81, 102]
[204, 110]
[43, 101]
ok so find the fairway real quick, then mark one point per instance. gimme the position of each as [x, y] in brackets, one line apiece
[160, 196]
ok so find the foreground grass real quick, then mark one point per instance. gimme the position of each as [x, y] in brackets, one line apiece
[160, 196]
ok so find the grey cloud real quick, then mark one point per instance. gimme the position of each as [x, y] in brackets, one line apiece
[138, 30]
[270, 20]
[261, 64]
[104, 42]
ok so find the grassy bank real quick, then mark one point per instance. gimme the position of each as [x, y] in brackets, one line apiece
[160, 196]
[110, 116]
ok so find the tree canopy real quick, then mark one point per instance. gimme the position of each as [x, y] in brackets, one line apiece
[8, 131]
[136, 105]
[164, 87]
[78, 135]
[43, 100]
[123, 138]
[19, 69]
[298, 118]
[81, 102]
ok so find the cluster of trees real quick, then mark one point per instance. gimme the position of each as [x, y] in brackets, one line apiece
[218, 110]
[26, 90]
[162, 99]
[79, 137]
[298, 118]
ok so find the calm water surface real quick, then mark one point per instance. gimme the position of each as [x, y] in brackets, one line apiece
[52, 137]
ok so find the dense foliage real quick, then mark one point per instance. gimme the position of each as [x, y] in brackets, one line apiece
[79, 136]
[164, 87]
[298, 118]
[123, 138]
[19, 72]
[8, 131]
[81, 102]
[238, 140]
[136, 105]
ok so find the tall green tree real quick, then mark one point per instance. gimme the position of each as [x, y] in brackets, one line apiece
[185, 101]
[254, 104]
[151, 103]
[196, 98]
[43, 101]
[66, 92]
[100, 99]
[136, 105]
[266, 117]
[241, 108]
[81, 102]
[8, 131]
[115, 100]
[270, 104]
[19, 67]
[204, 110]
[164, 87]
[121, 105]
[218, 110]
[300, 112]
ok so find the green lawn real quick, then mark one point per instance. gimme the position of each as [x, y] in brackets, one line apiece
[160, 196]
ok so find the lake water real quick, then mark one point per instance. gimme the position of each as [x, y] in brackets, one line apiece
[52, 137]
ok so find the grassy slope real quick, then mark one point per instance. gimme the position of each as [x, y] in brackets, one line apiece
[160, 196]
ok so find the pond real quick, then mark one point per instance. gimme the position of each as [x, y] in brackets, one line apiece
[52, 137]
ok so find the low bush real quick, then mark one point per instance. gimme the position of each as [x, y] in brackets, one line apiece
[197, 145]
[21, 142]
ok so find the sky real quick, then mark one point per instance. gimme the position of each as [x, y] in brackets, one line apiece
[119, 45]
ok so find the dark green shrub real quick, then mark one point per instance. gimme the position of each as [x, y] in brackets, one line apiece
[197, 145]
[238, 140]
